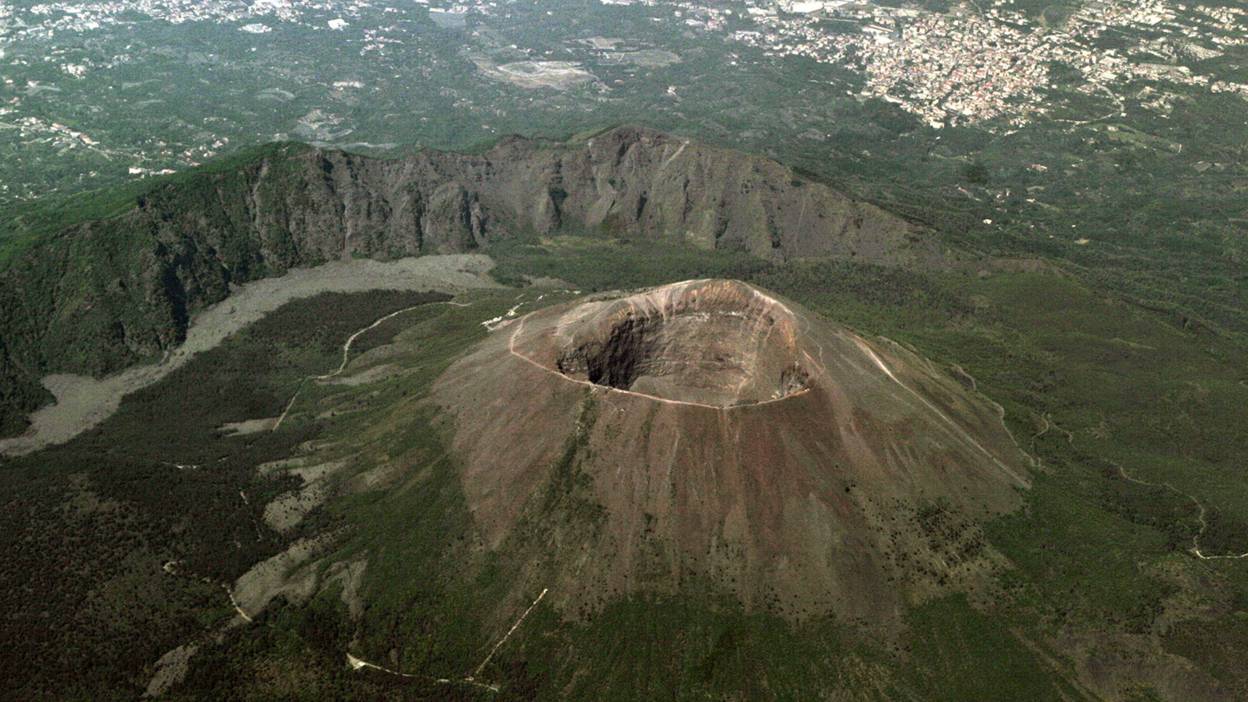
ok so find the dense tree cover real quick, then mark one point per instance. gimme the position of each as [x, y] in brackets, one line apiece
[117, 544]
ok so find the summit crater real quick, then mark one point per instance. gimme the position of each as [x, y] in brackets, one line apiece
[721, 344]
[711, 432]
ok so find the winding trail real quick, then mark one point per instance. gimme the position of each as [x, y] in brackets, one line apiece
[1117, 111]
[361, 664]
[83, 402]
[1201, 511]
[346, 352]
[357, 663]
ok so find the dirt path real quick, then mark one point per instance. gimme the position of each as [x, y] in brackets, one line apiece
[360, 663]
[506, 636]
[1201, 513]
[83, 402]
[1201, 510]
[346, 353]
[1119, 110]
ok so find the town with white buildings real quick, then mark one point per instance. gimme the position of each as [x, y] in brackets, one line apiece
[989, 64]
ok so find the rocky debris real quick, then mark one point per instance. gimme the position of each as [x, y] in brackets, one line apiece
[287, 574]
[84, 401]
[288, 509]
[171, 669]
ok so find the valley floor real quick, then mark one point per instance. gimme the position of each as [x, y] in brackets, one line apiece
[83, 402]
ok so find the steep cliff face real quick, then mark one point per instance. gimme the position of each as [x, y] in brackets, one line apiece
[104, 294]
[643, 183]
[313, 205]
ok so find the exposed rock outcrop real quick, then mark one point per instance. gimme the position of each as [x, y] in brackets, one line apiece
[104, 294]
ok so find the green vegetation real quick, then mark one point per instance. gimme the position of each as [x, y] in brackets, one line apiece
[962, 654]
[88, 527]
[1123, 376]
[1089, 382]
[22, 225]
[1108, 320]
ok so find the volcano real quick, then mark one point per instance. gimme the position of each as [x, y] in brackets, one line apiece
[707, 434]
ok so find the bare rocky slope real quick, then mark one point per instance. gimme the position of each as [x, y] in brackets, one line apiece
[104, 294]
[709, 434]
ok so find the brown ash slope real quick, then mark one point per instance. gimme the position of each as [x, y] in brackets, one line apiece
[103, 294]
[707, 434]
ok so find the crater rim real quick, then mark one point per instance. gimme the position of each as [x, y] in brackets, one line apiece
[713, 343]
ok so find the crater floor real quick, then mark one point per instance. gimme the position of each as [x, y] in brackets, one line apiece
[719, 343]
